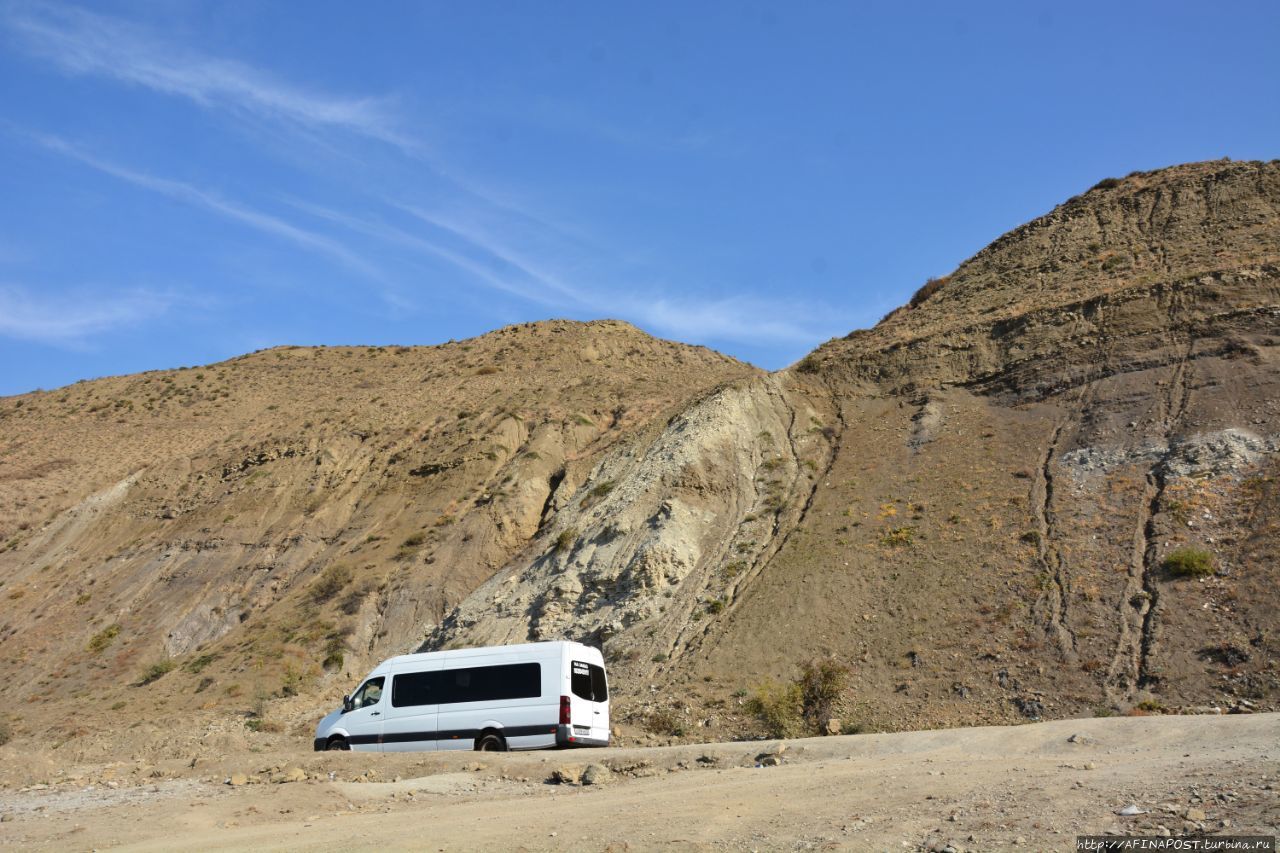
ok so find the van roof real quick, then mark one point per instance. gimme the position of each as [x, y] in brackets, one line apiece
[478, 651]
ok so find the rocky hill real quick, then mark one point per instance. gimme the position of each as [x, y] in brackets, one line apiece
[1046, 487]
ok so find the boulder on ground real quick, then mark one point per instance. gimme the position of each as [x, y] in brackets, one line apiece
[596, 774]
[569, 774]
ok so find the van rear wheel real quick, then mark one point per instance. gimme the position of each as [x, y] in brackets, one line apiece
[491, 743]
[338, 744]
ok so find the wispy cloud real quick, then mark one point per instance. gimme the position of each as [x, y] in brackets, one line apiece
[72, 318]
[688, 316]
[516, 286]
[179, 191]
[497, 250]
[83, 42]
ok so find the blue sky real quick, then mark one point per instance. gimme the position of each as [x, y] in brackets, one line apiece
[187, 181]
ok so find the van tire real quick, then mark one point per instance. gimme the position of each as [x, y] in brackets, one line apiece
[338, 743]
[491, 742]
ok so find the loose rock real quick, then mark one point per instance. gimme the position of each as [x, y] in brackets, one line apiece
[596, 774]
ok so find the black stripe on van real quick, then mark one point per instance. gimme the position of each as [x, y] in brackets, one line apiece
[448, 734]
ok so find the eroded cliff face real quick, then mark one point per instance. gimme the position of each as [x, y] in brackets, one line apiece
[661, 532]
[970, 505]
[978, 495]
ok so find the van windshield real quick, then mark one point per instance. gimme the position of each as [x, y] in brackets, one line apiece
[587, 682]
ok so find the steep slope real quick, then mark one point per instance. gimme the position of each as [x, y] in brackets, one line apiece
[970, 504]
[256, 519]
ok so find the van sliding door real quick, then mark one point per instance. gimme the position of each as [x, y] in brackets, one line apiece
[410, 722]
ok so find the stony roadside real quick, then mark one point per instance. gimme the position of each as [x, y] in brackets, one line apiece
[1027, 787]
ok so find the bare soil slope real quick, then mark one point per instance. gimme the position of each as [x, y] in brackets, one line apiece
[270, 523]
[970, 506]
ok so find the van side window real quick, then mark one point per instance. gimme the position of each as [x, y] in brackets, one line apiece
[586, 680]
[415, 688]
[467, 684]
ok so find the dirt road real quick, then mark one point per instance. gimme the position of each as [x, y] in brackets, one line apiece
[1033, 787]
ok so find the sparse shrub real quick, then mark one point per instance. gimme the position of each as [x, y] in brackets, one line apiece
[791, 709]
[663, 722]
[928, 289]
[331, 582]
[1031, 537]
[196, 665]
[660, 657]
[103, 638]
[821, 682]
[1189, 563]
[583, 420]
[414, 541]
[487, 370]
[779, 706]
[333, 661]
[292, 682]
[156, 671]
[1106, 184]
[350, 604]
[566, 539]
[715, 606]
[808, 364]
[602, 489]
[898, 537]
[5, 733]
[257, 724]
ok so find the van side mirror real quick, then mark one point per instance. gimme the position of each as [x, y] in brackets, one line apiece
[346, 704]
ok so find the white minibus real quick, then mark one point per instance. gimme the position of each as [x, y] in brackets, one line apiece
[529, 696]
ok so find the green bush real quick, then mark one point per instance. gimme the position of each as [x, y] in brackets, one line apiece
[780, 707]
[566, 539]
[156, 671]
[898, 537]
[293, 681]
[821, 682]
[195, 665]
[1189, 563]
[331, 582]
[801, 706]
[103, 638]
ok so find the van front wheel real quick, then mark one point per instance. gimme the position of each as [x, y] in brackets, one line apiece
[491, 743]
[338, 744]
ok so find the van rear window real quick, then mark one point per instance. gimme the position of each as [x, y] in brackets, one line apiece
[587, 682]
